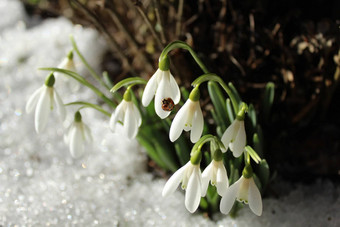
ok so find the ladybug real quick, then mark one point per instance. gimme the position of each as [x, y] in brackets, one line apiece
[168, 104]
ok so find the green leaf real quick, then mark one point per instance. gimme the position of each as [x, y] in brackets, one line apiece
[90, 105]
[252, 115]
[83, 81]
[253, 154]
[89, 68]
[263, 172]
[219, 103]
[268, 99]
[230, 112]
[236, 96]
[258, 144]
[150, 150]
[128, 82]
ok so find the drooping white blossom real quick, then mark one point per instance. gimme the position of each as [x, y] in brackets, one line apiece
[235, 138]
[68, 64]
[216, 173]
[44, 100]
[162, 85]
[189, 117]
[244, 190]
[127, 113]
[190, 177]
[78, 136]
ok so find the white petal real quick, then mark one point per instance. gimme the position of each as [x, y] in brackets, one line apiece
[33, 99]
[222, 183]
[177, 124]
[229, 134]
[76, 142]
[67, 134]
[150, 89]
[43, 109]
[137, 115]
[87, 133]
[229, 197]
[162, 93]
[60, 105]
[174, 181]
[197, 124]
[176, 94]
[255, 200]
[193, 192]
[130, 122]
[206, 177]
[240, 141]
[117, 115]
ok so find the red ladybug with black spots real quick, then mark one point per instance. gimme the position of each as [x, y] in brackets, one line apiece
[168, 104]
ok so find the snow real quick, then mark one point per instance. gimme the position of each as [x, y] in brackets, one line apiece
[41, 185]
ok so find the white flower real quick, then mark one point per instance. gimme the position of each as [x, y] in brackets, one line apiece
[235, 138]
[244, 190]
[190, 176]
[217, 174]
[162, 85]
[77, 136]
[189, 117]
[127, 113]
[44, 100]
[68, 64]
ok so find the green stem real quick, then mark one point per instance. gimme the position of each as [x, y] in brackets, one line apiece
[89, 105]
[91, 70]
[82, 80]
[199, 144]
[180, 44]
[213, 77]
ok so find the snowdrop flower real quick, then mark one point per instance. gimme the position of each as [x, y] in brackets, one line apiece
[191, 178]
[244, 190]
[77, 136]
[189, 117]
[217, 174]
[43, 100]
[127, 113]
[163, 86]
[235, 137]
[68, 64]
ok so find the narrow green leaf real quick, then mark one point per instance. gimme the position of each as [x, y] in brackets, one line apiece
[219, 103]
[258, 144]
[150, 150]
[236, 96]
[230, 112]
[90, 105]
[89, 68]
[252, 115]
[263, 172]
[268, 99]
[83, 81]
[253, 154]
[128, 82]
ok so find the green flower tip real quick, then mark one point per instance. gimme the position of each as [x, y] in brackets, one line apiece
[195, 94]
[70, 55]
[50, 80]
[77, 117]
[164, 63]
[127, 95]
[217, 155]
[196, 157]
[247, 171]
[242, 112]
